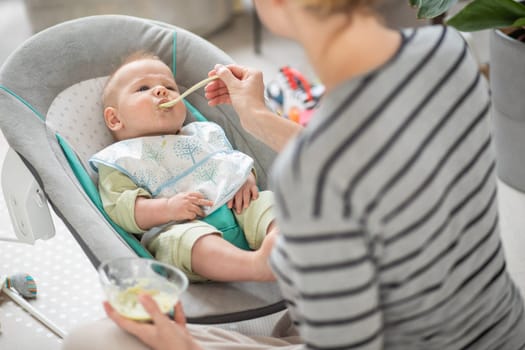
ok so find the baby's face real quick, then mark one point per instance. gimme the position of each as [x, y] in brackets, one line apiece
[139, 88]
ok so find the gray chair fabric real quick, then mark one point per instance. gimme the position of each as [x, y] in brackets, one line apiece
[91, 47]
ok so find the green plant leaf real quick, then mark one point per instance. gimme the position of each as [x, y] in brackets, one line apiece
[485, 14]
[519, 23]
[414, 3]
[432, 8]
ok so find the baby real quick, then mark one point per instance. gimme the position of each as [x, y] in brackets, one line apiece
[194, 195]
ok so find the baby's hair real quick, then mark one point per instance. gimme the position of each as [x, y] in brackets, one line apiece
[135, 56]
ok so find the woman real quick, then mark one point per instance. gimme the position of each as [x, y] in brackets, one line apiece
[385, 201]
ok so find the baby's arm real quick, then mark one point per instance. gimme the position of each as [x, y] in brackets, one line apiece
[132, 207]
[150, 212]
[118, 194]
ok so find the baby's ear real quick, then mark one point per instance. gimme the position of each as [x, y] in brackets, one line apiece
[111, 118]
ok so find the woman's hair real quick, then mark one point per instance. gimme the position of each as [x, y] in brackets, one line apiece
[329, 7]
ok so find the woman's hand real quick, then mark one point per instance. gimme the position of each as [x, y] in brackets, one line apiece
[243, 88]
[163, 333]
[244, 195]
[239, 86]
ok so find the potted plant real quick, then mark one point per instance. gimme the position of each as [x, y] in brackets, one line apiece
[506, 18]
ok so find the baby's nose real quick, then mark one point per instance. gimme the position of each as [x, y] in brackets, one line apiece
[160, 91]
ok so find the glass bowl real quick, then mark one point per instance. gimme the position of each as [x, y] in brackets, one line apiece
[124, 279]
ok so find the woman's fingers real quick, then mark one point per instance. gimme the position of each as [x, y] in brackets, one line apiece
[116, 317]
[225, 74]
[152, 308]
[217, 93]
[163, 333]
[237, 71]
[216, 87]
[143, 331]
[180, 318]
[232, 76]
[220, 100]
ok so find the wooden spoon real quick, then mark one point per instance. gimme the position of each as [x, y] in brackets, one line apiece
[187, 92]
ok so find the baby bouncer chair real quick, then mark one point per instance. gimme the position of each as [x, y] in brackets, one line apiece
[51, 116]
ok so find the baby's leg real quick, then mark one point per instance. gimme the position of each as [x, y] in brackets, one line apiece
[199, 250]
[272, 228]
[217, 259]
[257, 221]
[174, 246]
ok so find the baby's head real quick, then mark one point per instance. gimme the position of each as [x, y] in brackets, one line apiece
[132, 97]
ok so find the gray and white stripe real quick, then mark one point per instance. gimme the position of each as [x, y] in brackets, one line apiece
[387, 207]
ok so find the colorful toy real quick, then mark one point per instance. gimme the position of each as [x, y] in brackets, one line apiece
[23, 285]
[292, 96]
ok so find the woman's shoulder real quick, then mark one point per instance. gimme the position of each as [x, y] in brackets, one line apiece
[434, 52]
[433, 40]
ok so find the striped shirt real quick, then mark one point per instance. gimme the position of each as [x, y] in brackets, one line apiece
[387, 208]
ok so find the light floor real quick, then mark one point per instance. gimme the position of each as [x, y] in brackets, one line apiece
[68, 290]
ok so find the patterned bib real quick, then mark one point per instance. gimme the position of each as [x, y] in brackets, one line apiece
[198, 159]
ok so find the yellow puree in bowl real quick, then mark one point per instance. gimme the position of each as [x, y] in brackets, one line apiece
[127, 304]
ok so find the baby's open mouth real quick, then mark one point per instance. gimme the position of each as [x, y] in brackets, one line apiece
[162, 102]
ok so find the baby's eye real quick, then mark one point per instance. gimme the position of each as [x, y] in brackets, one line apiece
[171, 88]
[143, 88]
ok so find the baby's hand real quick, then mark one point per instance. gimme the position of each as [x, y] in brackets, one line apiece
[244, 195]
[187, 205]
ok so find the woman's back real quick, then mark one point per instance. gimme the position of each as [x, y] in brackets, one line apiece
[393, 234]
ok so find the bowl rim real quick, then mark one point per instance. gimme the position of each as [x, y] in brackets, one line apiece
[184, 278]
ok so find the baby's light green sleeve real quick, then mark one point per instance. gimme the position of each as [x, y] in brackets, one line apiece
[118, 194]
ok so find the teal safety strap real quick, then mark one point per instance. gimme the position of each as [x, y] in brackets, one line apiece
[196, 113]
[92, 192]
[10, 92]
[224, 220]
